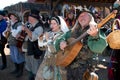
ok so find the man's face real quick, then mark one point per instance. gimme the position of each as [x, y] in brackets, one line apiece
[1, 17]
[31, 19]
[84, 19]
[13, 19]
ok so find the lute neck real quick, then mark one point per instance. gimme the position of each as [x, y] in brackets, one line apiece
[79, 38]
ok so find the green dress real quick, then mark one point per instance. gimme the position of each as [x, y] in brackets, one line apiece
[48, 69]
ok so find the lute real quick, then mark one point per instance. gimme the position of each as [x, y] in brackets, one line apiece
[64, 58]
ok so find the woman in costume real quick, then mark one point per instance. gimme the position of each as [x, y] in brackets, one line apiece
[48, 69]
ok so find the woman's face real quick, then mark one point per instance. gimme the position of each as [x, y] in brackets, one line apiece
[54, 26]
[70, 15]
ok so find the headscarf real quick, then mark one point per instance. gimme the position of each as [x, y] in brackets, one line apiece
[63, 25]
[61, 22]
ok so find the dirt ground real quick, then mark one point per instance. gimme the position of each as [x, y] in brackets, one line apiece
[101, 70]
[5, 74]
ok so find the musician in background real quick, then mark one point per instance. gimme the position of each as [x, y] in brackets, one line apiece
[48, 69]
[34, 56]
[70, 19]
[115, 58]
[79, 65]
[15, 54]
[3, 40]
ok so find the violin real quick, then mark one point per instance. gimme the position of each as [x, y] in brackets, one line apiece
[22, 36]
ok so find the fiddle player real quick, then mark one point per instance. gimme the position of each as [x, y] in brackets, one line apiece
[15, 54]
[80, 64]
